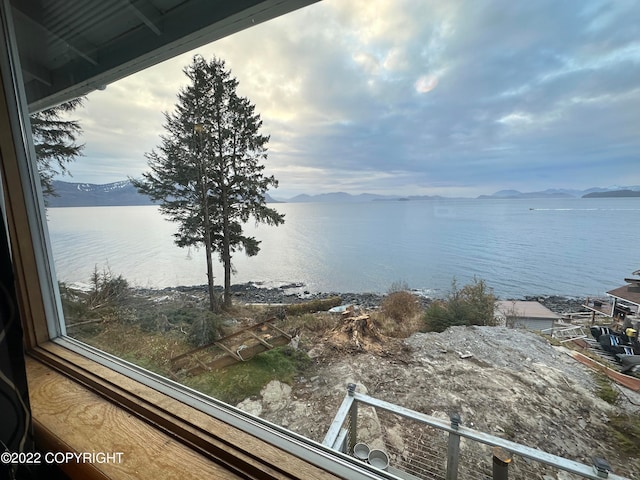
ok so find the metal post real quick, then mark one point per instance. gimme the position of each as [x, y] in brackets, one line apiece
[340, 423]
[601, 467]
[453, 448]
[501, 460]
[353, 418]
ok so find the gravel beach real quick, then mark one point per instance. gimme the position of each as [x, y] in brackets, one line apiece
[256, 292]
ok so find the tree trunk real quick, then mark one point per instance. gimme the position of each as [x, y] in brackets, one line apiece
[356, 333]
[226, 249]
[224, 199]
[213, 304]
[227, 279]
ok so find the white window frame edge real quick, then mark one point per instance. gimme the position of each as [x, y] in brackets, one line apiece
[313, 452]
[29, 177]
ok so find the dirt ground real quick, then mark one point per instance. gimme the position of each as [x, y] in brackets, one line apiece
[509, 383]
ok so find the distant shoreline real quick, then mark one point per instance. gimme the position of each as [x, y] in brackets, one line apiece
[614, 194]
[123, 193]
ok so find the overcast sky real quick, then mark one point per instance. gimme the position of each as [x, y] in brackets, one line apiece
[412, 97]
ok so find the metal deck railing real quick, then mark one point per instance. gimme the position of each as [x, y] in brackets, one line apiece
[420, 446]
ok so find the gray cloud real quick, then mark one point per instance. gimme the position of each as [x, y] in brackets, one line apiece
[420, 96]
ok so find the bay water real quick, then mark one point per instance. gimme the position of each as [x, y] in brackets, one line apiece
[571, 247]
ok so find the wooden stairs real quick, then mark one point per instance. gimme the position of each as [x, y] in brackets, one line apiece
[240, 346]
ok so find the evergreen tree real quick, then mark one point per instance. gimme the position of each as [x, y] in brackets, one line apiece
[207, 173]
[55, 141]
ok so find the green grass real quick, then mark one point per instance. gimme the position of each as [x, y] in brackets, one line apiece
[626, 431]
[237, 382]
[131, 330]
[144, 362]
[605, 391]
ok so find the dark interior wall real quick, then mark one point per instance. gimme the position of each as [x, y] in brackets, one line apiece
[15, 419]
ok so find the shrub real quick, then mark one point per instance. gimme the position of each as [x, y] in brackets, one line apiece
[400, 305]
[390, 328]
[105, 302]
[106, 288]
[74, 302]
[204, 328]
[438, 317]
[473, 304]
[478, 302]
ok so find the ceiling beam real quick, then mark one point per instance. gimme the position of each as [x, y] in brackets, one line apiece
[77, 45]
[36, 70]
[147, 13]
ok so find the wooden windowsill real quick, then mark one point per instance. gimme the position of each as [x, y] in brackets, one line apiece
[80, 406]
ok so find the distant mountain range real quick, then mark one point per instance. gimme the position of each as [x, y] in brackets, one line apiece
[115, 194]
[90, 195]
[567, 193]
[124, 193]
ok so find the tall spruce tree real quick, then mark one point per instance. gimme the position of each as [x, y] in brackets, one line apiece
[55, 141]
[207, 173]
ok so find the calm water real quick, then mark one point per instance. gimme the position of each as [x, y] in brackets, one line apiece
[570, 247]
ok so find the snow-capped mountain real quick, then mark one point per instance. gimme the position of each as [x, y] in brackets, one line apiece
[90, 195]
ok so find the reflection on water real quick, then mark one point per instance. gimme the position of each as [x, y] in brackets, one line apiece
[520, 247]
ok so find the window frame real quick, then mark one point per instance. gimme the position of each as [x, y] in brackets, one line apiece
[172, 408]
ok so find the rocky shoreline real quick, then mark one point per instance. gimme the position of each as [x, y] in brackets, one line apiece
[296, 293]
